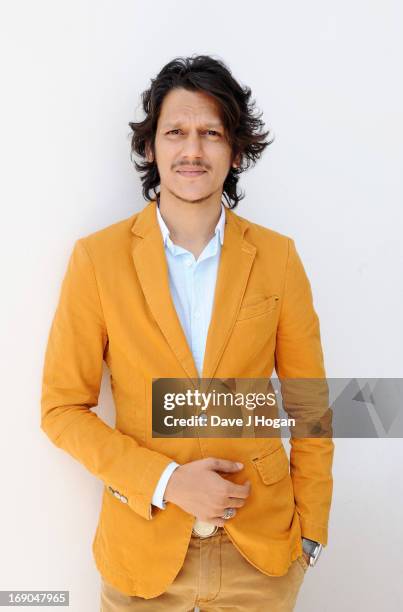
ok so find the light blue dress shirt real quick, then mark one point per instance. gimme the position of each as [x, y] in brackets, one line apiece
[192, 284]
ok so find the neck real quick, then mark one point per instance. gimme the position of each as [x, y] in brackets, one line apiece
[191, 224]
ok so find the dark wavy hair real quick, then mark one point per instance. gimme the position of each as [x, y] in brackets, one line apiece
[242, 125]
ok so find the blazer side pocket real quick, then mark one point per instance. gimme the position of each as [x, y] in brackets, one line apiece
[272, 467]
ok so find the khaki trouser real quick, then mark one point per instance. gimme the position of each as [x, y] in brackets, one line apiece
[215, 576]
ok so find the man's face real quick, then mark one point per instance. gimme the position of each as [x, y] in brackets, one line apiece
[190, 136]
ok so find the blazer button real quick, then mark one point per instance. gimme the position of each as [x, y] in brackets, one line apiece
[123, 499]
[116, 494]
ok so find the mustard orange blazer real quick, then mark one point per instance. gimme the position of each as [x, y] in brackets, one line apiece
[115, 305]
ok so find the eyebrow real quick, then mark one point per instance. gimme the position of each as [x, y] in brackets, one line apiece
[210, 124]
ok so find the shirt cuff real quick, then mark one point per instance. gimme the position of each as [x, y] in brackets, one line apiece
[158, 496]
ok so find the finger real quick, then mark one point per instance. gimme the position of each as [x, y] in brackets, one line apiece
[221, 518]
[234, 502]
[237, 490]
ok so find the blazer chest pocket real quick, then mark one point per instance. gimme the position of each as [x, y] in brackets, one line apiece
[256, 305]
[272, 467]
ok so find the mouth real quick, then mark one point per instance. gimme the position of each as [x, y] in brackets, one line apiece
[191, 173]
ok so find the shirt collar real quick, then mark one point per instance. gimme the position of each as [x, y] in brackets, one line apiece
[219, 228]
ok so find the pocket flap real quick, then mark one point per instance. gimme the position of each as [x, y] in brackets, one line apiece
[257, 305]
[272, 467]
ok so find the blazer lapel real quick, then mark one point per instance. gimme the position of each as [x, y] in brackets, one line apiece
[236, 260]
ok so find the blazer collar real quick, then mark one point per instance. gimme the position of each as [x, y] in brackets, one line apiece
[236, 259]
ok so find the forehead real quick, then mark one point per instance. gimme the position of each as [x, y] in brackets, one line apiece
[182, 105]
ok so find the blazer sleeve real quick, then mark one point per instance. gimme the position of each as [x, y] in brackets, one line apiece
[298, 355]
[72, 375]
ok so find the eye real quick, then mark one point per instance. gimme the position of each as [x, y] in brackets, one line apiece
[212, 132]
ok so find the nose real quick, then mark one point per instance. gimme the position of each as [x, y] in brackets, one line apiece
[192, 145]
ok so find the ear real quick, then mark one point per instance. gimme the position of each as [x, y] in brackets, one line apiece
[236, 162]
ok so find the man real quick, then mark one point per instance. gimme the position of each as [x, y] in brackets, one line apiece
[186, 288]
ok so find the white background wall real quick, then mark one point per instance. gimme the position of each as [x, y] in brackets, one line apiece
[328, 79]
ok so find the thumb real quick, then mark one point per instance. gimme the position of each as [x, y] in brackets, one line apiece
[224, 465]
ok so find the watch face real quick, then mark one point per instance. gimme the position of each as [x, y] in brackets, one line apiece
[315, 555]
[309, 546]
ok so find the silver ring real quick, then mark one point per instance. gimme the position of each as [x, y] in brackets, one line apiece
[228, 513]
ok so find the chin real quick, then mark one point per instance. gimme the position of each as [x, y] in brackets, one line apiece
[196, 198]
[190, 196]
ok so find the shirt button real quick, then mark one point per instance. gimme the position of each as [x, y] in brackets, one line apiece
[189, 262]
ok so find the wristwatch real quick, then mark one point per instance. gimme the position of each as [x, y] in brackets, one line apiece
[312, 548]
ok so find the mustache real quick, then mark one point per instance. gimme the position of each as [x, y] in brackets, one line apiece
[197, 166]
